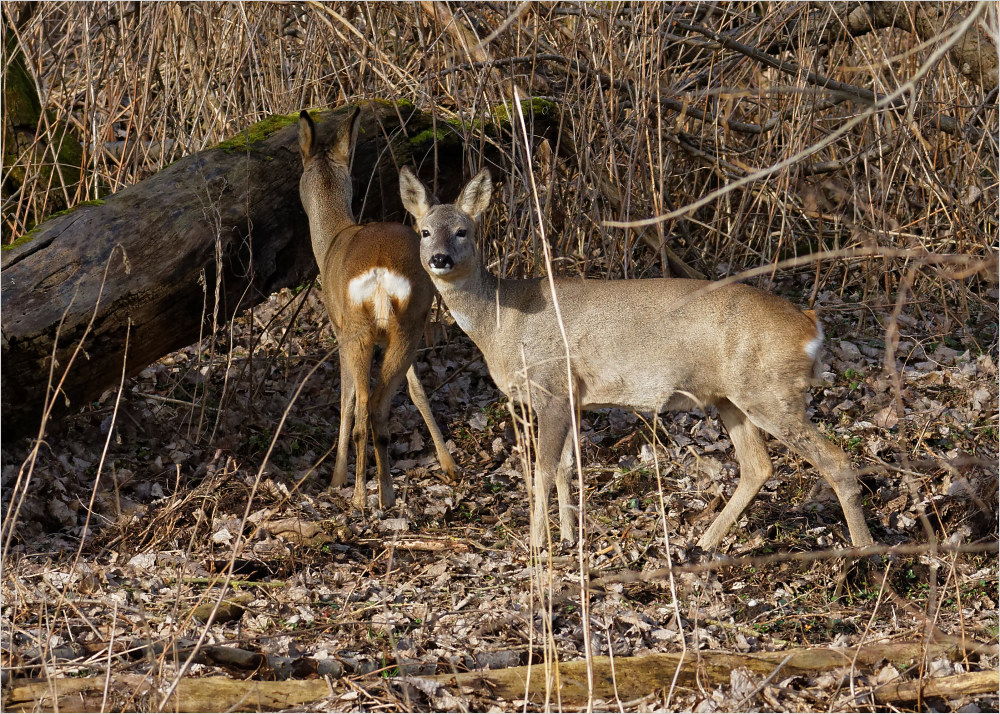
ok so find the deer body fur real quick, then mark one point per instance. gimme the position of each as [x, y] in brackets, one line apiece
[648, 345]
[376, 293]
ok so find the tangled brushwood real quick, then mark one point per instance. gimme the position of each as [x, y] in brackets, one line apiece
[171, 542]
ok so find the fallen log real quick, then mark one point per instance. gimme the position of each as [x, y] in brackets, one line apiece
[634, 677]
[176, 256]
[135, 692]
[956, 685]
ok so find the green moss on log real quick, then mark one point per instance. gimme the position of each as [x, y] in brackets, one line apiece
[442, 135]
[395, 103]
[250, 137]
[22, 117]
[72, 209]
[20, 241]
[536, 106]
[451, 130]
[34, 231]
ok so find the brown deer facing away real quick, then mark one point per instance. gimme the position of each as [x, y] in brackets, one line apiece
[376, 293]
[648, 345]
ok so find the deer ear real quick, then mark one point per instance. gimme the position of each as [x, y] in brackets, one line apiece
[417, 199]
[307, 134]
[347, 136]
[475, 197]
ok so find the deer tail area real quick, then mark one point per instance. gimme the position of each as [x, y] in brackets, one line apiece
[378, 288]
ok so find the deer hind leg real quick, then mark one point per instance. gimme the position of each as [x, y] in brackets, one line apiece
[359, 360]
[553, 428]
[346, 421]
[755, 470]
[396, 362]
[568, 521]
[419, 398]
[791, 425]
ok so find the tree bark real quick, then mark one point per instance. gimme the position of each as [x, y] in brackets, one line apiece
[176, 256]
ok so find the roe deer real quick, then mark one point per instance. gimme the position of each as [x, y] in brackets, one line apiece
[376, 294]
[648, 345]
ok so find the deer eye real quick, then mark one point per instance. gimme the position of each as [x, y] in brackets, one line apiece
[460, 233]
[425, 233]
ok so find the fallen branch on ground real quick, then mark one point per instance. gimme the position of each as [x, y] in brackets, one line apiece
[634, 676]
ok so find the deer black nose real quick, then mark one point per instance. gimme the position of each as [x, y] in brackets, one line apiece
[441, 261]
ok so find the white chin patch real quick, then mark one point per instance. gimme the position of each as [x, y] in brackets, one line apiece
[439, 271]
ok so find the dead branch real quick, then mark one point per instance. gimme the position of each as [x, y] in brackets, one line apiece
[631, 576]
[853, 92]
[638, 676]
[209, 694]
[975, 55]
[957, 685]
[633, 677]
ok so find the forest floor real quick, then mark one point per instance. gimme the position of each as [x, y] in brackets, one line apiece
[443, 582]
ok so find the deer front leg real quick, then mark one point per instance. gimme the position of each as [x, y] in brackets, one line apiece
[791, 426]
[835, 467]
[419, 398]
[553, 427]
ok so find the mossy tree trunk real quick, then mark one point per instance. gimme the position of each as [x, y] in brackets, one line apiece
[147, 263]
[25, 132]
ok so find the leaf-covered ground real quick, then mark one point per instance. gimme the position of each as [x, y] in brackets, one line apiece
[443, 581]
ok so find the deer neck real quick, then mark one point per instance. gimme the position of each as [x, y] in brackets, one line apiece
[325, 238]
[473, 302]
[330, 221]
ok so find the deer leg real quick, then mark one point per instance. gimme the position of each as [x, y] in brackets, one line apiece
[553, 428]
[755, 470]
[802, 436]
[419, 398]
[834, 466]
[568, 521]
[394, 367]
[346, 420]
[360, 364]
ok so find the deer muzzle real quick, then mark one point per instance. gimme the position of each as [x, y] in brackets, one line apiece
[440, 263]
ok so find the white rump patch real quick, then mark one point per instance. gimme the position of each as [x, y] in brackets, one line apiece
[364, 287]
[812, 346]
[377, 287]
